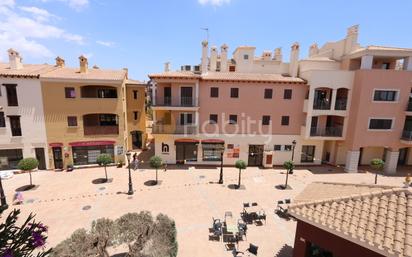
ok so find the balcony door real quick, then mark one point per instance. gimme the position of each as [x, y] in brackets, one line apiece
[186, 119]
[186, 96]
[167, 95]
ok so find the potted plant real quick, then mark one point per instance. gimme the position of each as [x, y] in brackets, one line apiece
[70, 167]
[377, 165]
[120, 164]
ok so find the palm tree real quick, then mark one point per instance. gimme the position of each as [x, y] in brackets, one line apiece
[156, 162]
[377, 164]
[241, 165]
[289, 166]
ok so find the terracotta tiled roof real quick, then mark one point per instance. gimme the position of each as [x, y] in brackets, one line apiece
[28, 70]
[91, 74]
[228, 76]
[175, 74]
[330, 190]
[255, 77]
[380, 221]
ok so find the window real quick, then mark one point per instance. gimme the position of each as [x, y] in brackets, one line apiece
[2, 120]
[232, 119]
[107, 120]
[134, 94]
[285, 121]
[135, 115]
[234, 92]
[268, 93]
[265, 120]
[232, 68]
[288, 148]
[380, 124]
[15, 126]
[212, 152]
[287, 94]
[245, 57]
[308, 153]
[106, 93]
[9, 158]
[385, 95]
[277, 147]
[72, 121]
[186, 118]
[11, 92]
[214, 92]
[213, 119]
[70, 92]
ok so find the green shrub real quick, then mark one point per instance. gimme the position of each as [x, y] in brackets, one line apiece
[28, 164]
[377, 164]
[289, 165]
[240, 164]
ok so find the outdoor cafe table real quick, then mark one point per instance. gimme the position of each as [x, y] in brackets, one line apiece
[231, 225]
[252, 209]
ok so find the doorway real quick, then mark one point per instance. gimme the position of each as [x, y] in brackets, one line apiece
[403, 156]
[57, 157]
[137, 139]
[186, 152]
[41, 158]
[255, 155]
[186, 96]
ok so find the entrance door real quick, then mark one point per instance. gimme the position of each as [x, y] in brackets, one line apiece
[58, 157]
[186, 152]
[40, 157]
[255, 155]
[403, 154]
[136, 139]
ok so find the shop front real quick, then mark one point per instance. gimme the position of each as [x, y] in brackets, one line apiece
[212, 150]
[186, 150]
[86, 152]
[9, 158]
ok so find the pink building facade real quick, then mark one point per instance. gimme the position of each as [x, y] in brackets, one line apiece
[344, 104]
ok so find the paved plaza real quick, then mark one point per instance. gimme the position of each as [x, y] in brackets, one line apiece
[66, 201]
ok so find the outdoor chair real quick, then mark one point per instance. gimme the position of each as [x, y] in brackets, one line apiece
[253, 249]
[246, 205]
[254, 204]
[261, 215]
[242, 232]
[287, 201]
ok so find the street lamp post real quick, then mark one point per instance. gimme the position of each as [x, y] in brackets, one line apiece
[221, 168]
[130, 192]
[3, 201]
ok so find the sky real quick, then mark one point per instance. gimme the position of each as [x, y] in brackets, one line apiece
[142, 35]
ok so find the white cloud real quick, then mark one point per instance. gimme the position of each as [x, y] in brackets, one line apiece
[105, 43]
[214, 2]
[75, 4]
[23, 28]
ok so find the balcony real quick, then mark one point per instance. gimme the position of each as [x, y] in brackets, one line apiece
[177, 129]
[326, 132]
[175, 102]
[340, 104]
[406, 135]
[101, 130]
[98, 92]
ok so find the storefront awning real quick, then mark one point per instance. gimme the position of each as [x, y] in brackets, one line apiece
[213, 141]
[92, 143]
[187, 140]
[56, 144]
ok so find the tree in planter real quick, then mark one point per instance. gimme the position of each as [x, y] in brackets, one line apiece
[289, 166]
[22, 240]
[377, 164]
[241, 165]
[156, 162]
[28, 164]
[104, 160]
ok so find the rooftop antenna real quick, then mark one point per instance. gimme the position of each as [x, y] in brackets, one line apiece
[207, 33]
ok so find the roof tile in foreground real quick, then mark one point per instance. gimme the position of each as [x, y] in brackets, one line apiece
[380, 220]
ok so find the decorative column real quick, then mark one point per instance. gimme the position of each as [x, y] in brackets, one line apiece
[352, 161]
[333, 102]
[391, 162]
[153, 93]
[197, 93]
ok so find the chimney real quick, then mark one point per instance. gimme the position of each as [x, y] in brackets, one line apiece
[205, 51]
[60, 62]
[83, 64]
[294, 60]
[167, 66]
[278, 54]
[213, 58]
[15, 59]
[223, 58]
[266, 55]
[351, 40]
[313, 50]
